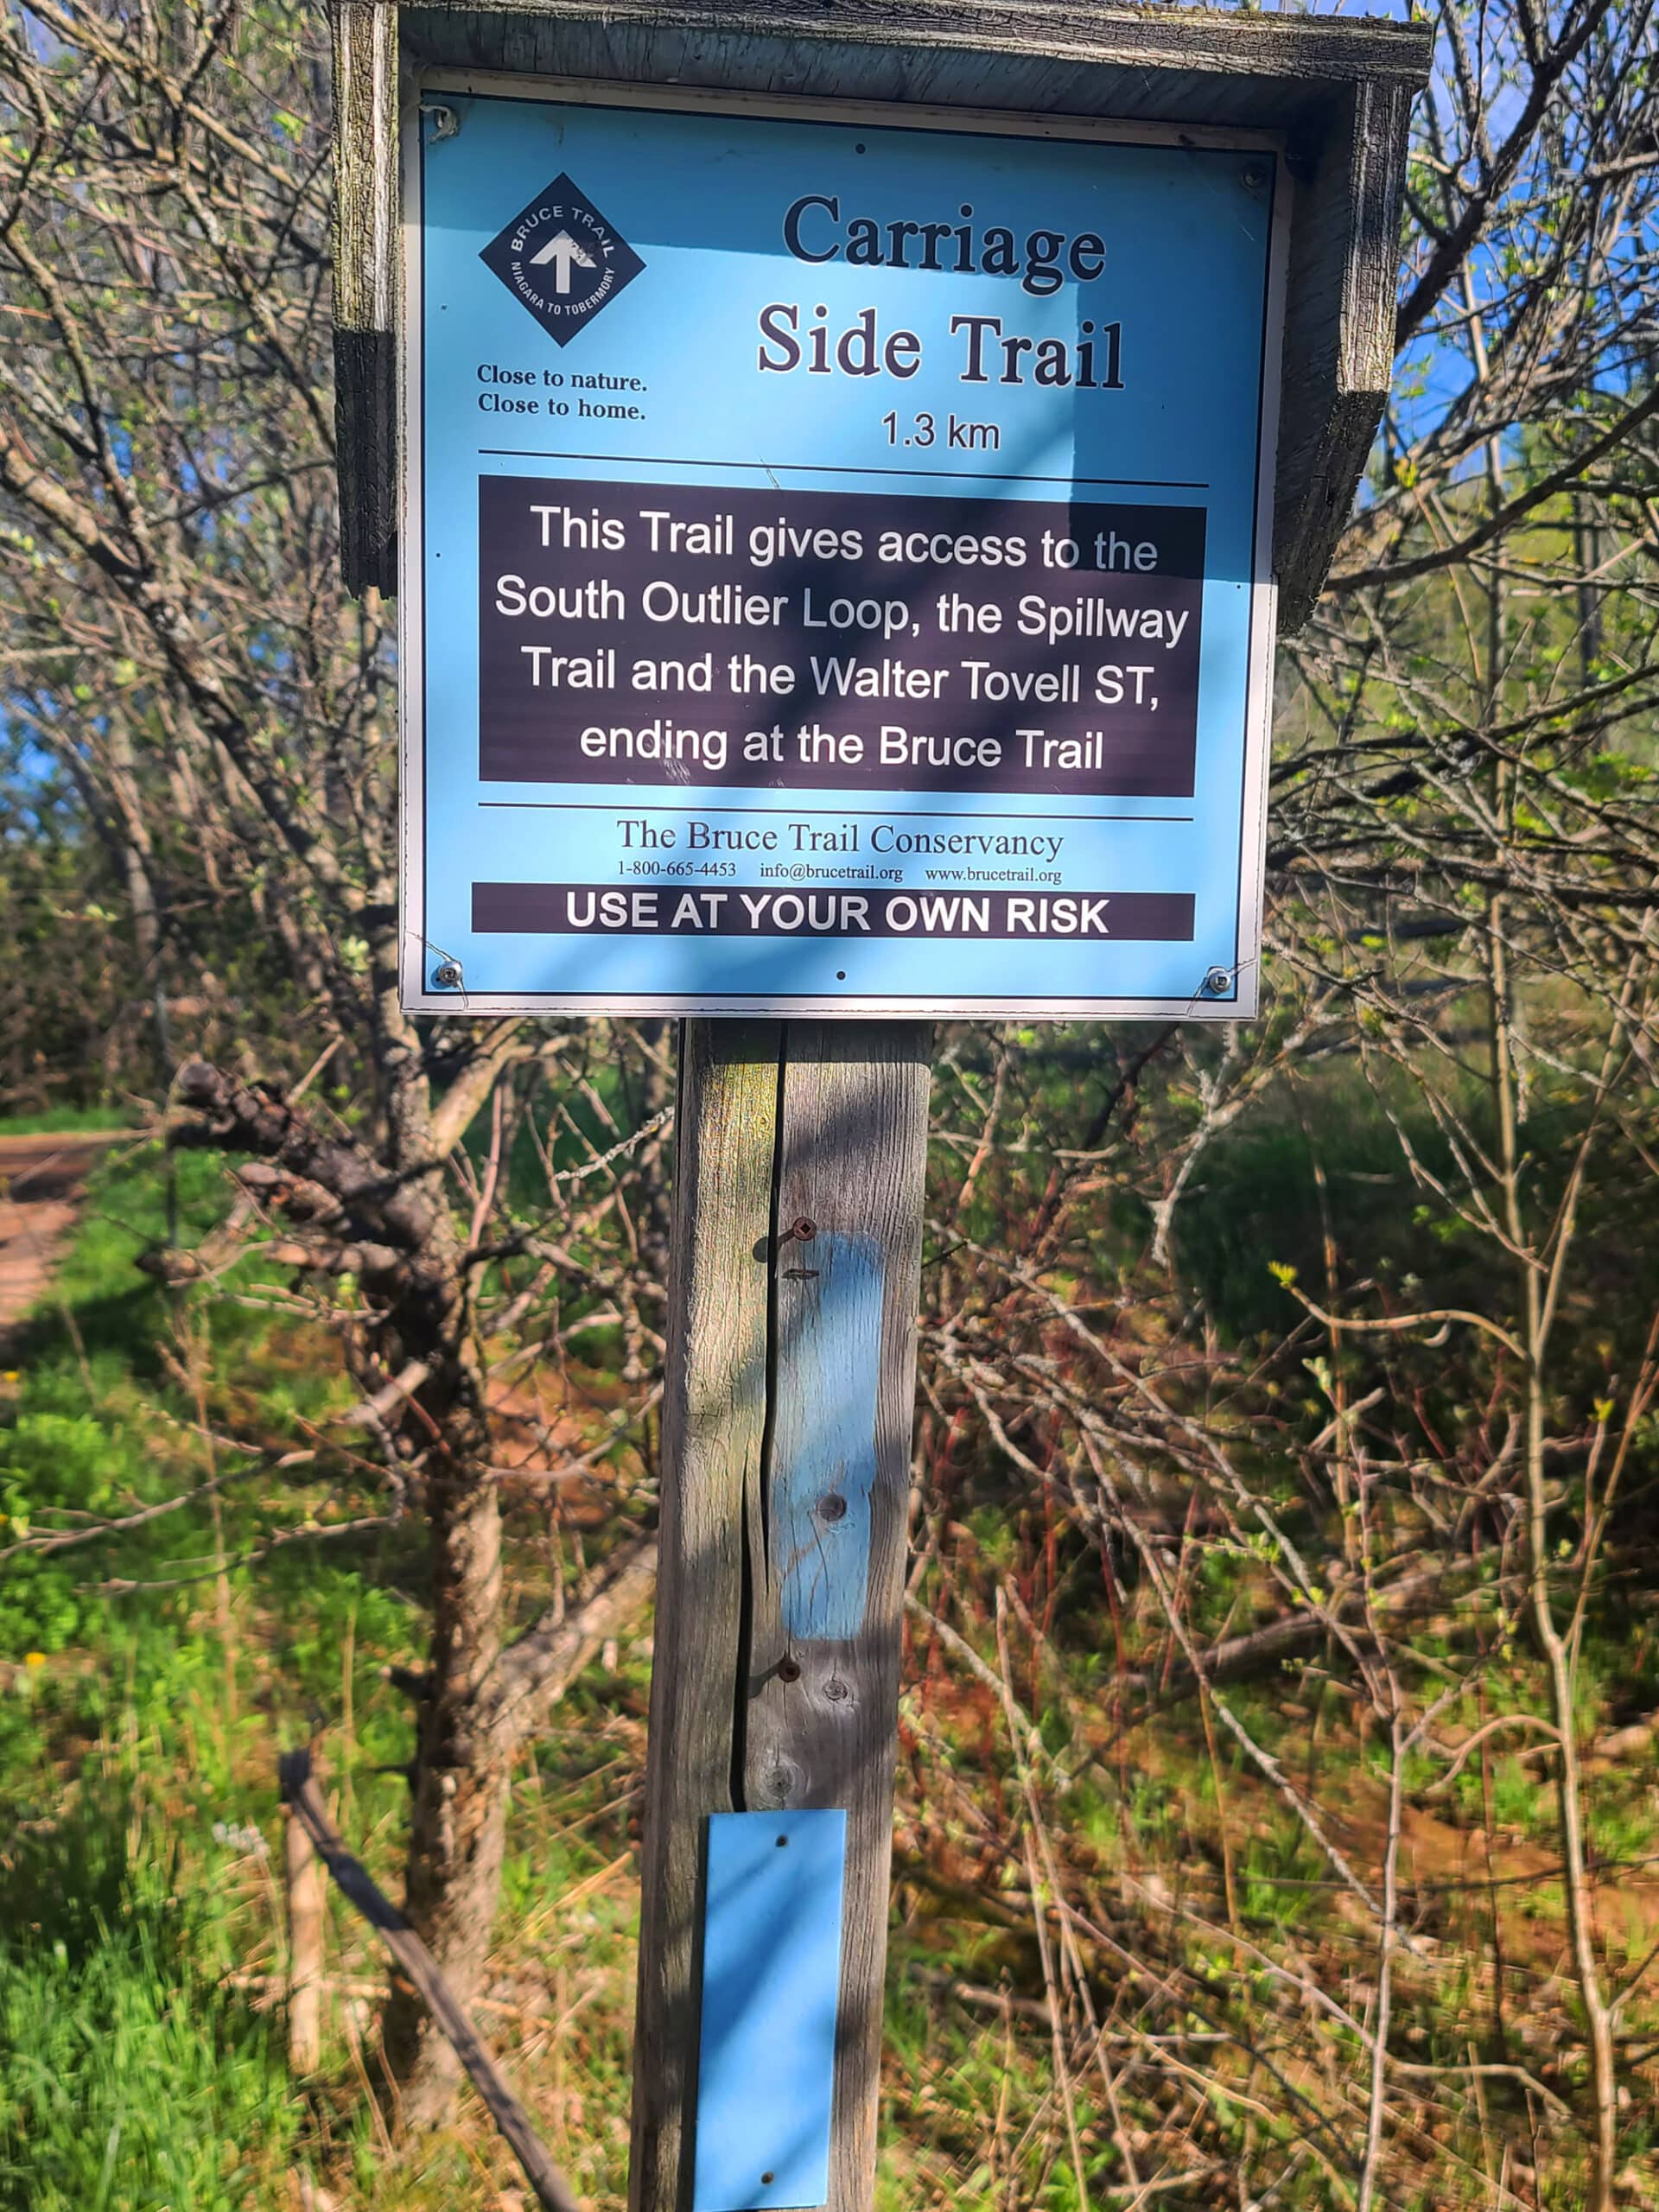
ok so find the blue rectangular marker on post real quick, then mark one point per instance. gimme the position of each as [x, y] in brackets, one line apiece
[771, 1985]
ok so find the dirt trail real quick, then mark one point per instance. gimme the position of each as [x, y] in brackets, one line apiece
[42, 1184]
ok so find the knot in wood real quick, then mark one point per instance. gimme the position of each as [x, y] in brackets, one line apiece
[779, 1783]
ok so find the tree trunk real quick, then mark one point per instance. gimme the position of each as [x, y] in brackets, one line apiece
[458, 1816]
[459, 1785]
[475, 1704]
[394, 1207]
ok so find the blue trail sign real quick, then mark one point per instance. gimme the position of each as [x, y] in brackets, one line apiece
[835, 560]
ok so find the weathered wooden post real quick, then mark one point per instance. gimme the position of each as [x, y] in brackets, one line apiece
[786, 1446]
[851, 466]
[306, 1890]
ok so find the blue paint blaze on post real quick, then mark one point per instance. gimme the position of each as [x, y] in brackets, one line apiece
[824, 1443]
[771, 1983]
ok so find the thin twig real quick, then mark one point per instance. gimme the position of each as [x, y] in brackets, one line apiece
[553, 2192]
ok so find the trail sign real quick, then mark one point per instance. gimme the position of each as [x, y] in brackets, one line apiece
[863, 604]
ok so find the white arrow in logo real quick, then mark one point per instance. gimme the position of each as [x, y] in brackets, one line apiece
[565, 254]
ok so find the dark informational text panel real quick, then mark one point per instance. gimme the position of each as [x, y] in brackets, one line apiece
[633, 633]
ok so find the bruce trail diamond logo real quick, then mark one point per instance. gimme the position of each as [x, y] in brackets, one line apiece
[563, 259]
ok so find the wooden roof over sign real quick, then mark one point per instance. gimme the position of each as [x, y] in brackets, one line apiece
[1339, 88]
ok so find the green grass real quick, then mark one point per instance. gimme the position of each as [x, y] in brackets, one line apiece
[133, 2078]
[65, 1120]
[135, 2075]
